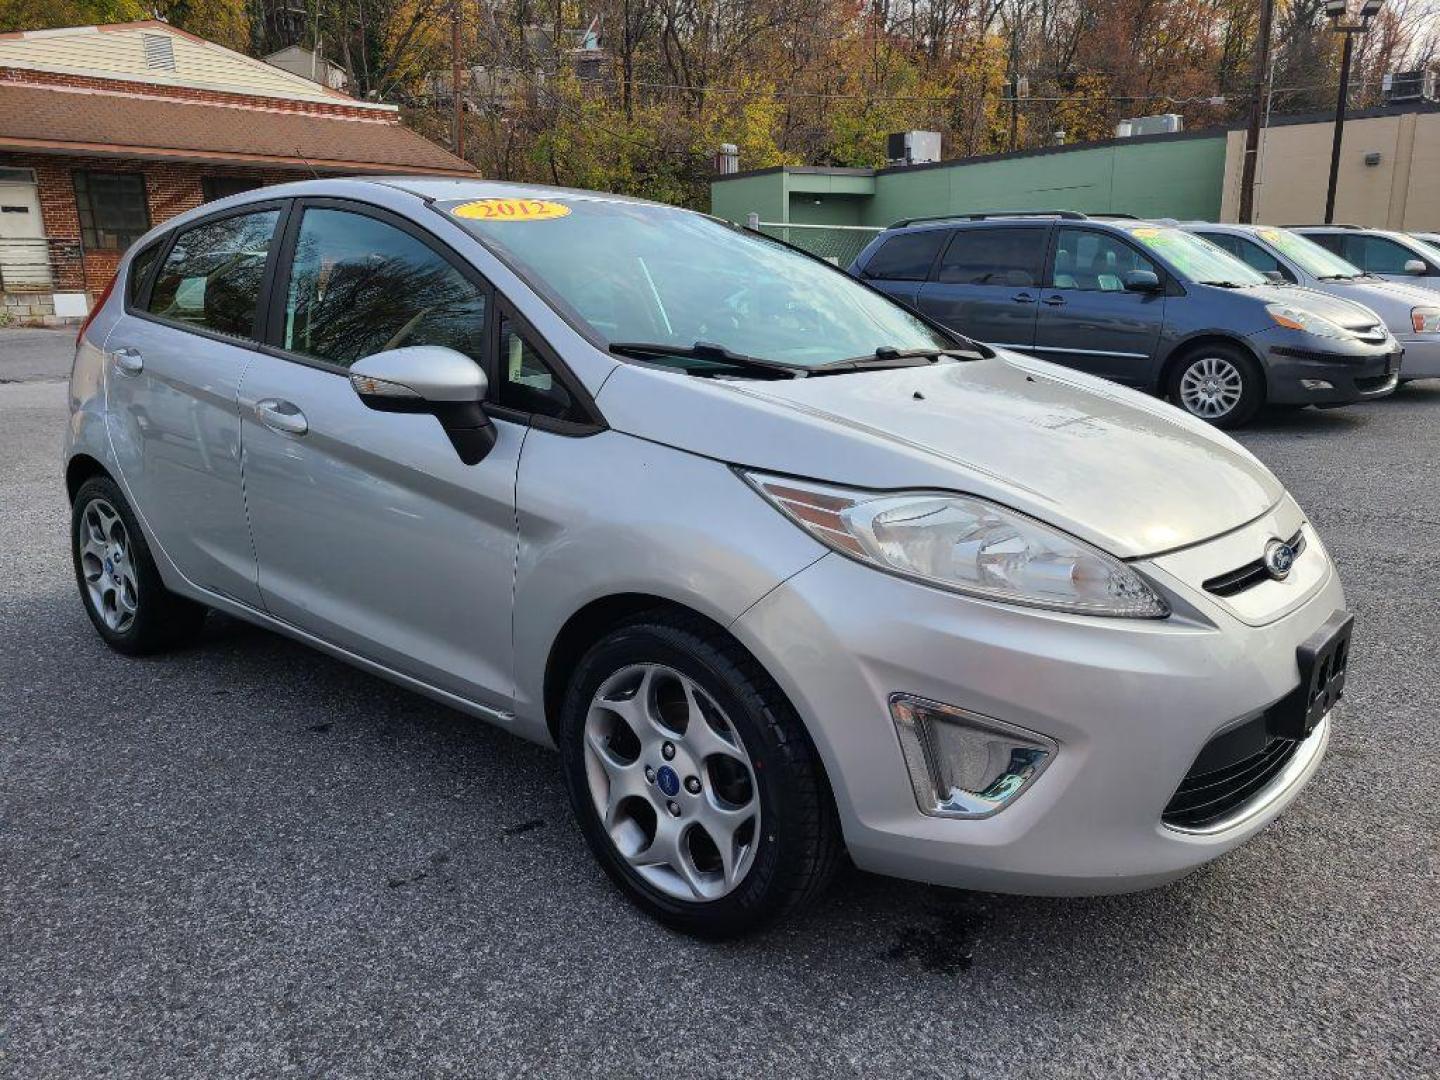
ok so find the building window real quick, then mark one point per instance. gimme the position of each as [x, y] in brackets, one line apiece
[218, 187]
[113, 210]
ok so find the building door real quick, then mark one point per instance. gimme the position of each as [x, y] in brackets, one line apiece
[24, 255]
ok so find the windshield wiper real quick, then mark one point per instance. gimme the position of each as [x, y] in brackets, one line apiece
[1225, 284]
[1339, 277]
[887, 356]
[710, 353]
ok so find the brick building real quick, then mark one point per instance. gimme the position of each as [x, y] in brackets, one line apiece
[108, 130]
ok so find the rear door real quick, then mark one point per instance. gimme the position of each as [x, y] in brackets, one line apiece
[902, 262]
[174, 364]
[987, 281]
[1088, 319]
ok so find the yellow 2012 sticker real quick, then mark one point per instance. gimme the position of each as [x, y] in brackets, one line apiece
[511, 210]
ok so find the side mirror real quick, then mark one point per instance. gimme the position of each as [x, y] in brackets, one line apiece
[1142, 281]
[430, 379]
[1416, 267]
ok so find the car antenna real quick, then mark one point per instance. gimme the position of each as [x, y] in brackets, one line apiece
[313, 171]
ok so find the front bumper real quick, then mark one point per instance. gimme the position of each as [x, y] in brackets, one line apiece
[1297, 375]
[1130, 704]
[1422, 357]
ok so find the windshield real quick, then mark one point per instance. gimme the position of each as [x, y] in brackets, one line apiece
[1308, 255]
[636, 272]
[1194, 258]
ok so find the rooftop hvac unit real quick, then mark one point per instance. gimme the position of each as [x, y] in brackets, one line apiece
[1160, 124]
[912, 147]
[1401, 86]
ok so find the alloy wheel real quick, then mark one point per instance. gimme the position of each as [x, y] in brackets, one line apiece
[1211, 387]
[672, 782]
[108, 567]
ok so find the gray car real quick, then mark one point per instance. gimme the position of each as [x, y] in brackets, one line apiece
[1143, 303]
[1411, 313]
[783, 569]
[1386, 253]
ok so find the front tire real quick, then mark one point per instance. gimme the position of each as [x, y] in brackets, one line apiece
[693, 780]
[119, 584]
[1220, 384]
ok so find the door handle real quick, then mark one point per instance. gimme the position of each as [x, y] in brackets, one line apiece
[281, 416]
[128, 361]
[1054, 301]
[1023, 298]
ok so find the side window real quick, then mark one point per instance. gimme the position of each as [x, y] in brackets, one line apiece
[359, 286]
[1382, 256]
[212, 276]
[139, 268]
[1254, 255]
[1092, 261]
[994, 256]
[907, 257]
[1335, 243]
[526, 381]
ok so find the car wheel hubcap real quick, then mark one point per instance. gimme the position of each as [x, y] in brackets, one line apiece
[1211, 387]
[672, 783]
[106, 564]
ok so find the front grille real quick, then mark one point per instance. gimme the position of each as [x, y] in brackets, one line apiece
[1251, 574]
[1232, 769]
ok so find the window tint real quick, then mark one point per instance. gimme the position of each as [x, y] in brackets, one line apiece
[212, 276]
[527, 381]
[113, 209]
[1095, 262]
[139, 267]
[1379, 255]
[907, 257]
[1256, 256]
[359, 286]
[1331, 242]
[993, 257]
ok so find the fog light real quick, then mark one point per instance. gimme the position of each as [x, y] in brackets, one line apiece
[963, 764]
[1316, 384]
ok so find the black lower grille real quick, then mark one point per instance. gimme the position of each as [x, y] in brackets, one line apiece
[1231, 770]
[1372, 382]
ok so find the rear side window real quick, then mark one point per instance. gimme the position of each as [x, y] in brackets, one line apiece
[211, 278]
[906, 257]
[359, 286]
[992, 256]
[139, 270]
[1091, 261]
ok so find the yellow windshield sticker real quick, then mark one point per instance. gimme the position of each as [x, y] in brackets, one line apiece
[1269, 234]
[511, 210]
[1144, 234]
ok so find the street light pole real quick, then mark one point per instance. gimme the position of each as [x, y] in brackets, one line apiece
[1337, 11]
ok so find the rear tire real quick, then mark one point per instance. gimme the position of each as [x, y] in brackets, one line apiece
[119, 584]
[667, 690]
[1218, 383]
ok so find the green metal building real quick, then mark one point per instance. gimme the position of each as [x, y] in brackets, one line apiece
[1177, 175]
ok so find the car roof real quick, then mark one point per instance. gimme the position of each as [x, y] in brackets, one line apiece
[445, 189]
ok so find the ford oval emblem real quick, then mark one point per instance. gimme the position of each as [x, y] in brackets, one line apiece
[668, 781]
[1279, 558]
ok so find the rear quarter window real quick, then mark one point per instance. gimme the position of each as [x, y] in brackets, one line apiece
[907, 256]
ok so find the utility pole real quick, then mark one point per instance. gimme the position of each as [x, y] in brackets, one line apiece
[1015, 83]
[457, 135]
[1257, 111]
[1345, 56]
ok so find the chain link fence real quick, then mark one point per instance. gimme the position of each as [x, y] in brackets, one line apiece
[837, 244]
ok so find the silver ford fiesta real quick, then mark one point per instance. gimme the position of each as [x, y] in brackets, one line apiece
[783, 569]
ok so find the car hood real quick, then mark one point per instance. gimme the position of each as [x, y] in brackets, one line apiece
[1352, 314]
[1124, 471]
[1377, 293]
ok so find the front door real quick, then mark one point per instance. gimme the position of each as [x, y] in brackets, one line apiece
[24, 254]
[1088, 319]
[987, 283]
[370, 531]
[173, 376]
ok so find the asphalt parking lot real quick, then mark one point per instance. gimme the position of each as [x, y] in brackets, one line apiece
[246, 859]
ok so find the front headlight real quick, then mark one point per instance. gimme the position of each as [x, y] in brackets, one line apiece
[1425, 320]
[965, 544]
[1294, 318]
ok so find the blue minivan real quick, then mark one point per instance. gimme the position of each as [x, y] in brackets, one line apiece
[1139, 302]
